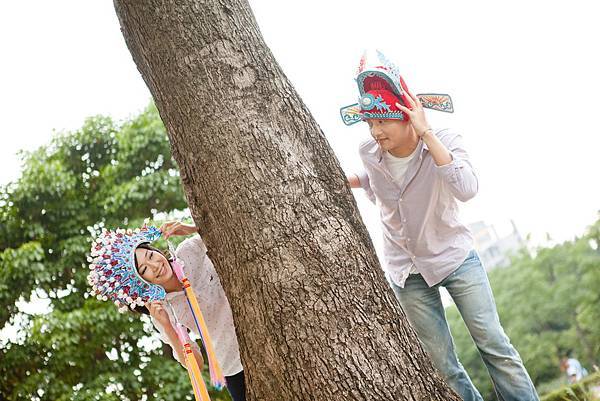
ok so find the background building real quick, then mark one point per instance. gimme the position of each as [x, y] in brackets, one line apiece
[494, 250]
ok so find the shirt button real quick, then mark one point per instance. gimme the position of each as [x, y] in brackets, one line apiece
[404, 220]
[400, 200]
[408, 239]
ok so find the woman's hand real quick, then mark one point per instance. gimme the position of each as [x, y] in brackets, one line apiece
[177, 228]
[159, 313]
[416, 116]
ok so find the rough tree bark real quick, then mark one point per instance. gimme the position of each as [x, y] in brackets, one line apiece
[315, 317]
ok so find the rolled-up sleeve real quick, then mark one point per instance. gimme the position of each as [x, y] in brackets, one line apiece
[459, 174]
[363, 178]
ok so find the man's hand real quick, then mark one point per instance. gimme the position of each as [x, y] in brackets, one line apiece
[353, 181]
[177, 228]
[416, 116]
[441, 155]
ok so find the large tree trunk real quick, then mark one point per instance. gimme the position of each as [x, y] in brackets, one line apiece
[315, 317]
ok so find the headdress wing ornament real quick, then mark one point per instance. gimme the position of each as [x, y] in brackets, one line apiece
[113, 275]
[352, 114]
[376, 72]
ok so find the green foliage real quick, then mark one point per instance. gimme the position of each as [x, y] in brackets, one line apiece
[576, 392]
[107, 174]
[548, 305]
[78, 348]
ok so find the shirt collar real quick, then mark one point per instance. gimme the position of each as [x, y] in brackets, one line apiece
[378, 152]
[173, 295]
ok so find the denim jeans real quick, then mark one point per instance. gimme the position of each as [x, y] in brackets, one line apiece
[470, 289]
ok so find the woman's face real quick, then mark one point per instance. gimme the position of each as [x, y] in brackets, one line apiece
[153, 266]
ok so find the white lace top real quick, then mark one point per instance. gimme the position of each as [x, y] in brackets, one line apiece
[213, 304]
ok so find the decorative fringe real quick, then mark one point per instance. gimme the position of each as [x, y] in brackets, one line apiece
[216, 375]
[200, 390]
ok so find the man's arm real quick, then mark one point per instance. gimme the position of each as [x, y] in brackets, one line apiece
[353, 180]
[452, 161]
[361, 180]
[453, 165]
[440, 153]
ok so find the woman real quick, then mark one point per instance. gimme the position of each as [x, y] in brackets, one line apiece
[144, 279]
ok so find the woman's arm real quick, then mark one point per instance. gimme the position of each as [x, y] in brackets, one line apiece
[165, 327]
[178, 347]
[177, 228]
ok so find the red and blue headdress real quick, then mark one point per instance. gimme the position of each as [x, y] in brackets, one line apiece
[113, 275]
[380, 87]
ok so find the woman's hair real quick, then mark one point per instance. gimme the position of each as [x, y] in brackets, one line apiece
[146, 245]
[141, 309]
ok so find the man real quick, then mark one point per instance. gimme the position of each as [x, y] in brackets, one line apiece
[573, 369]
[416, 174]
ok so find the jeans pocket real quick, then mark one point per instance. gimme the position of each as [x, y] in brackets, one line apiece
[471, 261]
[472, 255]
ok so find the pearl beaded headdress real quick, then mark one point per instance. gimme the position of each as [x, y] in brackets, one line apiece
[113, 275]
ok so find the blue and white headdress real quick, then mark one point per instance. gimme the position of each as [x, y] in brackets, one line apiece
[113, 275]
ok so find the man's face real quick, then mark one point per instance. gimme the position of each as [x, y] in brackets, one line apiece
[389, 134]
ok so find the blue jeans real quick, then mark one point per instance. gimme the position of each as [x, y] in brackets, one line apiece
[472, 294]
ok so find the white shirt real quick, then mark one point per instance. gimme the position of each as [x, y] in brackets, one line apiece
[397, 167]
[574, 368]
[213, 304]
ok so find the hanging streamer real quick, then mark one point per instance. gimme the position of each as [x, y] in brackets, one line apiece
[216, 375]
[191, 364]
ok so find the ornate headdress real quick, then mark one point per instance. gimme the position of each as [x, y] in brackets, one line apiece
[113, 275]
[380, 87]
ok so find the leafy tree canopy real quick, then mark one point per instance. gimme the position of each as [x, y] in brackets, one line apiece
[103, 175]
